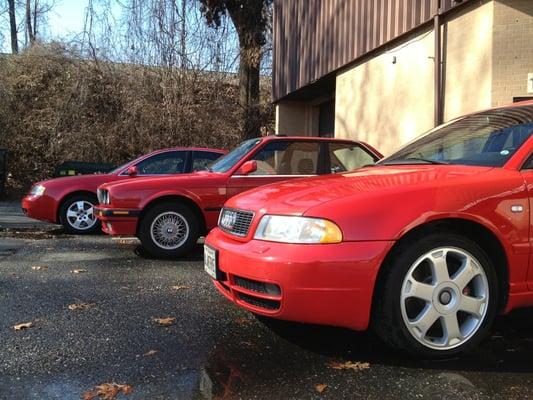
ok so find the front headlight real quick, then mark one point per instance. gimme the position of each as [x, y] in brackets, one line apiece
[37, 190]
[289, 229]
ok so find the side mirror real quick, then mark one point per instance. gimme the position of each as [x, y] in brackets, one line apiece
[247, 168]
[132, 171]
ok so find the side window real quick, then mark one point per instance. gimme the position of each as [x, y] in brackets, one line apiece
[287, 158]
[529, 163]
[201, 159]
[171, 162]
[347, 157]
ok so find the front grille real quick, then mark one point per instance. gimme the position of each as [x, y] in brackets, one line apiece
[256, 286]
[259, 302]
[236, 222]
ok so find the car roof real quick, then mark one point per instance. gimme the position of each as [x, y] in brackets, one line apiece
[181, 148]
[311, 138]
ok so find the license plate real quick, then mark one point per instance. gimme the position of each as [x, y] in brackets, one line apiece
[210, 261]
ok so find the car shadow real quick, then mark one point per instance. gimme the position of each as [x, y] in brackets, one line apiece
[509, 348]
[196, 254]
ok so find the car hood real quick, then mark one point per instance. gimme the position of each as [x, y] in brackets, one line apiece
[76, 179]
[298, 196]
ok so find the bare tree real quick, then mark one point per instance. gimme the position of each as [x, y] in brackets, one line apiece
[13, 27]
[29, 16]
[252, 20]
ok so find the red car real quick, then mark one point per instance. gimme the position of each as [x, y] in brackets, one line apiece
[169, 214]
[69, 201]
[427, 246]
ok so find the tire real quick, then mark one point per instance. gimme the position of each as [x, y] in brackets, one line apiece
[160, 227]
[416, 304]
[76, 214]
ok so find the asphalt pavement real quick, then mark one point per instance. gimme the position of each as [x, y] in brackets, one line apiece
[212, 349]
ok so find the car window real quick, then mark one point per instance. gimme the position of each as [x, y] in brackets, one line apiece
[170, 162]
[287, 158]
[224, 164]
[347, 157]
[202, 159]
[485, 139]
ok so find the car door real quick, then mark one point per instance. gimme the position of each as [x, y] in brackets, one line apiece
[279, 160]
[346, 156]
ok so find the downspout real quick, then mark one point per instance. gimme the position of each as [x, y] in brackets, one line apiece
[438, 67]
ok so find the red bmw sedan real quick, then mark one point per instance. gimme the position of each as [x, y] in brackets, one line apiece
[70, 201]
[169, 214]
[426, 247]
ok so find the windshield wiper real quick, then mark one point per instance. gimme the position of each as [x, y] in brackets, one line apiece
[414, 160]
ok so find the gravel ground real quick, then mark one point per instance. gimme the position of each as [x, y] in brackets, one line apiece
[213, 350]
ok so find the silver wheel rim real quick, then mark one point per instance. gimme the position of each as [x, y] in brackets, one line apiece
[80, 215]
[444, 298]
[169, 230]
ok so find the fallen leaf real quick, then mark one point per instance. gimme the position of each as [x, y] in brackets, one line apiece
[243, 321]
[107, 391]
[25, 325]
[39, 267]
[167, 321]
[80, 306]
[356, 366]
[321, 387]
[150, 353]
[180, 287]
[78, 271]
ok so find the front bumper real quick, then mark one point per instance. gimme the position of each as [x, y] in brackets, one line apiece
[118, 222]
[321, 284]
[43, 208]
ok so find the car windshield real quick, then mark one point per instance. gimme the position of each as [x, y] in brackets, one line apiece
[118, 169]
[485, 139]
[225, 163]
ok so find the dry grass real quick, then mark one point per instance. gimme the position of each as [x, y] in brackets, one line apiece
[56, 107]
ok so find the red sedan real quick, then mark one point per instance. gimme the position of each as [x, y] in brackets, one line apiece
[70, 200]
[427, 246]
[169, 214]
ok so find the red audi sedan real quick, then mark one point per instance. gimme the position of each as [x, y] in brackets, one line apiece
[169, 214]
[426, 247]
[70, 201]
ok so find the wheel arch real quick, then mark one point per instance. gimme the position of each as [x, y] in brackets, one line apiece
[68, 196]
[485, 238]
[175, 198]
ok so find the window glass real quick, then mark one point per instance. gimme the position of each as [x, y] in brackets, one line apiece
[485, 139]
[225, 163]
[347, 157]
[287, 158]
[171, 162]
[202, 159]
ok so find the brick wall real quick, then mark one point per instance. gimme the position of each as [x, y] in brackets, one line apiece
[512, 49]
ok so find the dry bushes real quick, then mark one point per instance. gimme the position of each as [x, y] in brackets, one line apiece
[56, 107]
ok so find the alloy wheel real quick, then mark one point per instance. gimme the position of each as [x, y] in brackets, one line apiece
[169, 230]
[80, 215]
[444, 298]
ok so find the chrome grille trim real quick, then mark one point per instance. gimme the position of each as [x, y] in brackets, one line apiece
[240, 221]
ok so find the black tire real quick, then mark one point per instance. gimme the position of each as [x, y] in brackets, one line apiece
[67, 222]
[388, 322]
[152, 247]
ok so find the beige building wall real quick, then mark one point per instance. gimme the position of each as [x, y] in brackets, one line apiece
[296, 118]
[513, 50]
[388, 100]
[467, 57]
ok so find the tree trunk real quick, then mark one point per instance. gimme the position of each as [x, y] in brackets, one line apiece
[13, 26]
[249, 68]
[29, 29]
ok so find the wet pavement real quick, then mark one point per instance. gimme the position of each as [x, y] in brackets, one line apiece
[213, 350]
